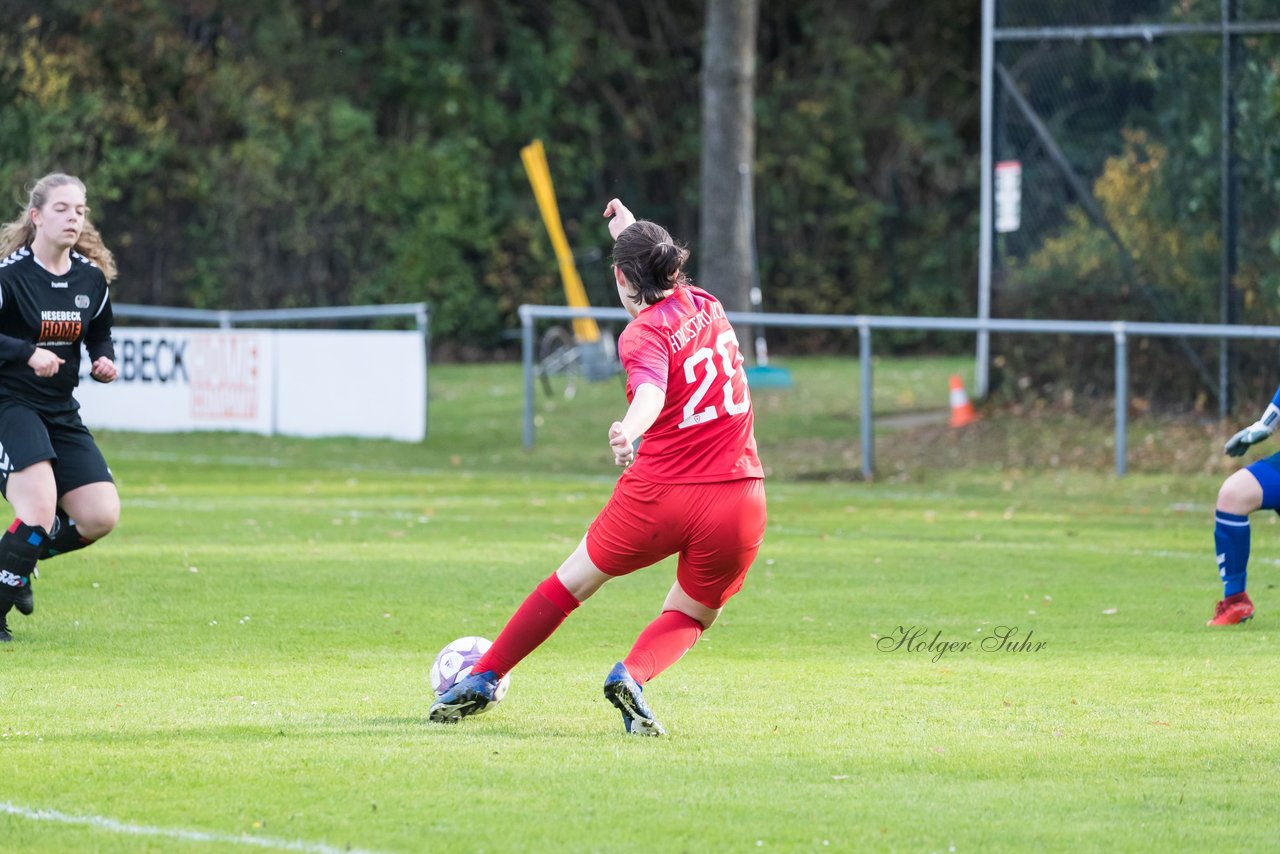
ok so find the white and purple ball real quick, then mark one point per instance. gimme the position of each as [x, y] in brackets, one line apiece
[454, 664]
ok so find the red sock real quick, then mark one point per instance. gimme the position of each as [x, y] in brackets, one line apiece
[534, 621]
[661, 645]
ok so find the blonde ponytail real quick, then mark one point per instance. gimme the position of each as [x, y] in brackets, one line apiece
[16, 234]
[90, 245]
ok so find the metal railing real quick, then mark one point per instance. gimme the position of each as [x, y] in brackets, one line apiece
[1119, 330]
[226, 319]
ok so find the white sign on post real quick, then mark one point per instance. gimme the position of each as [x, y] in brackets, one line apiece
[1008, 196]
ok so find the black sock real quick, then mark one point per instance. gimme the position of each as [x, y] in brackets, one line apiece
[19, 548]
[64, 537]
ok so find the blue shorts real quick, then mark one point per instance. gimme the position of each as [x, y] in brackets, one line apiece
[1267, 472]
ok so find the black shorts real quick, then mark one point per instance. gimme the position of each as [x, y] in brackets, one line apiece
[28, 436]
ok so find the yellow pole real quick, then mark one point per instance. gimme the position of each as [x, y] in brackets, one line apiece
[535, 166]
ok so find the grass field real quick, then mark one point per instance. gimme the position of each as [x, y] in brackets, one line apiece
[244, 662]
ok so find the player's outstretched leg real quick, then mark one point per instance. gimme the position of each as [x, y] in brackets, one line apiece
[627, 697]
[5, 637]
[19, 547]
[469, 696]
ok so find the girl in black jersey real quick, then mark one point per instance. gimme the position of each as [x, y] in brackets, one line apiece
[54, 299]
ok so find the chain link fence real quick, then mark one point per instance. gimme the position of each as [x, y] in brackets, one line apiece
[1135, 148]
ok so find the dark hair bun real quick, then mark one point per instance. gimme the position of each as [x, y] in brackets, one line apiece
[650, 260]
[665, 262]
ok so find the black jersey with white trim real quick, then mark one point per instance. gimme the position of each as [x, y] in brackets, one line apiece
[58, 313]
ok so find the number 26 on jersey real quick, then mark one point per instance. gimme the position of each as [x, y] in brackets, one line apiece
[703, 361]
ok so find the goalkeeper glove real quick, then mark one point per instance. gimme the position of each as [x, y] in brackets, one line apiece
[1254, 433]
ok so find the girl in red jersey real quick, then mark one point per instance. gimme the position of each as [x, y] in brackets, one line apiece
[54, 300]
[694, 488]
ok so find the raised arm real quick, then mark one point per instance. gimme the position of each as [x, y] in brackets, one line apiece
[621, 217]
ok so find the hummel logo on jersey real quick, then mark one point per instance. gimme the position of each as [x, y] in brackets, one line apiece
[8, 579]
[58, 284]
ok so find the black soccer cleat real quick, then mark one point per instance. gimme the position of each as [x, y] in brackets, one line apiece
[471, 695]
[5, 637]
[627, 697]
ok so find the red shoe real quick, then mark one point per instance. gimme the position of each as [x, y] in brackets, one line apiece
[1234, 609]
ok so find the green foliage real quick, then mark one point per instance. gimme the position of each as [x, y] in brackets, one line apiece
[1141, 124]
[1167, 264]
[864, 180]
[243, 154]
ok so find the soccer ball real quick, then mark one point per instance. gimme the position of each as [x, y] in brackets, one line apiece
[454, 664]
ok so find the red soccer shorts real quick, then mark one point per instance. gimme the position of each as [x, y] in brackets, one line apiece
[716, 528]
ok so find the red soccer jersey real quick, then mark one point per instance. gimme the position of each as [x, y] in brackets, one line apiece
[705, 433]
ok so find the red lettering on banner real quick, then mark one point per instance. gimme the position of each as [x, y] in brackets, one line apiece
[224, 377]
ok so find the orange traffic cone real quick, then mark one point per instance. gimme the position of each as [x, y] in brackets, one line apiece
[961, 409]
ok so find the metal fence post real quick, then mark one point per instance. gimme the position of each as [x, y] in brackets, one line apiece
[868, 436]
[1122, 398]
[526, 350]
[986, 228]
[422, 317]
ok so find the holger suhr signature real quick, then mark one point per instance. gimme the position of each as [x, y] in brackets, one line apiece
[920, 639]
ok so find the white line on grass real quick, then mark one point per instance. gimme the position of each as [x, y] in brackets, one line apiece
[113, 826]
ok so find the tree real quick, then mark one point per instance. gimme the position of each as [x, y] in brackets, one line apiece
[728, 149]
[242, 154]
